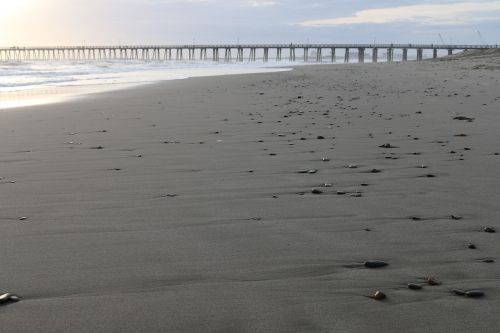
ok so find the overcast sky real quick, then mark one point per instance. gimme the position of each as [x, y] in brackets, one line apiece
[42, 22]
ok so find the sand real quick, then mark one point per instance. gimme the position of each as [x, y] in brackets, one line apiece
[181, 206]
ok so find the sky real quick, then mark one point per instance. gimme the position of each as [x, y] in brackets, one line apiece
[99, 22]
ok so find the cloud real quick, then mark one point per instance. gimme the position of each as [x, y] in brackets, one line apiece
[251, 3]
[261, 3]
[435, 14]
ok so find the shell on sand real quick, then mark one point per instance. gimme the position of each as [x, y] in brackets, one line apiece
[414, 286]
[433, 281]
[490, 230]
[8, 297]
[378, 295]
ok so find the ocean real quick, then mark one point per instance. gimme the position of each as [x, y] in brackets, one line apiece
[24, 83]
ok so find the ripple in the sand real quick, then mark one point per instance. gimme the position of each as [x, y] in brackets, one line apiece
[375, 264]
[9, 298]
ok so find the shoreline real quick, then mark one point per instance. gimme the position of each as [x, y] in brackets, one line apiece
[188, 205]
[50, 94]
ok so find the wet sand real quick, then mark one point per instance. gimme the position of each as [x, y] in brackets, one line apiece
[188, 206]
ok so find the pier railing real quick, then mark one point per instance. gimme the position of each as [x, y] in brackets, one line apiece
[232, 52]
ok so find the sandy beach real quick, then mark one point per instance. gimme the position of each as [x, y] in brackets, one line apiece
[250, 203]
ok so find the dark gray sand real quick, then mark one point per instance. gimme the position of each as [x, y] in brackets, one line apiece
[182, 206]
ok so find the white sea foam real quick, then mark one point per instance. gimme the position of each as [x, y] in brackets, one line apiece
[38, 82]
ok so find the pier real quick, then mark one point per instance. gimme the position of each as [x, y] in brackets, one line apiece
[238, 53]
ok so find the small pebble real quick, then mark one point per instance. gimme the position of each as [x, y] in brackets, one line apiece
[471, 246]
[316, 191]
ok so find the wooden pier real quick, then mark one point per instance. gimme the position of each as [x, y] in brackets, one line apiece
[248, 52]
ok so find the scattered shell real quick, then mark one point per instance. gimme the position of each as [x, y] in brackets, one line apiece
[327, 185]
[375, 264]
[341, 192]
[469, 119]
[456, 217]
[375, 171]
[351, 166]
[22, 218]
[458, 292]
[490, 230]
[378, 295]
[487, 260]
[387, 145]
[474, 293]
[414, 286]
[8, 297]
[325, 159]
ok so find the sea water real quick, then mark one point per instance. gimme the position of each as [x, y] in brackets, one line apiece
[24, 83]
